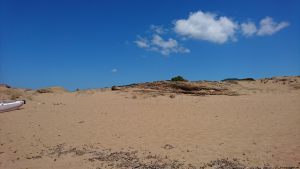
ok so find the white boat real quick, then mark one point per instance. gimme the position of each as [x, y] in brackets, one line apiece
[11, 105]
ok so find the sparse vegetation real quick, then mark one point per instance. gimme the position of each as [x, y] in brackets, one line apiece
[248, 79]
[52, 90]
[115, 88]
[14, 95]
[230, 79]
[8, 93]
[43, 91]
[5, 86]
[193, 88]
[237, 79]
[178, 78]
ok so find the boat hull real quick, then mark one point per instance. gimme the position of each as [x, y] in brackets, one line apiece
[11, 105]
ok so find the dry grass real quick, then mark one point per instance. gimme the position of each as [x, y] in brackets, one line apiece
[14, 94]
[52, 90]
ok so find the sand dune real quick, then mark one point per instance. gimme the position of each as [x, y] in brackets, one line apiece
[232, 124]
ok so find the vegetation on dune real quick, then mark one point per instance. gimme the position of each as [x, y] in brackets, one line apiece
[178, 78]
[52, 90]
[9, 93]
[237, 79]
[115, 88]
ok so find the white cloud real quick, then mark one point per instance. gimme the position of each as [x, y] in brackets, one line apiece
[158, 44]
[165, 44]
[266, 27]
[248, 29]
[207, 26]
[142, 42]
[166, 47]
[269, 27]
[114, 70]
[158, 29]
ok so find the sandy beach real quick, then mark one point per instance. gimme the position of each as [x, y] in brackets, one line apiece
[258, 126]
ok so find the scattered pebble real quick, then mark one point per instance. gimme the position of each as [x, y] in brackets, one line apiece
[172, 96]
[131, 159]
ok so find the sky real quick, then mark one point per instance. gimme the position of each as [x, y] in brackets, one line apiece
[90, 44]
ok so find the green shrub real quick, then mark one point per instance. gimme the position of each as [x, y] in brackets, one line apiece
[230, 79]
[178, 78]
[237, 79]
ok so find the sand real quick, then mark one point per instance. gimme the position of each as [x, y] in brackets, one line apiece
[92, 129]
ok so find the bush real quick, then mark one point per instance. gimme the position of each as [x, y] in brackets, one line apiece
[230, 79]
[115, 88]
[248, 79]
[237, 79]
[178, 78]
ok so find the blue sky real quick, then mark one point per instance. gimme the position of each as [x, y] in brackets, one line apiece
[89, 44]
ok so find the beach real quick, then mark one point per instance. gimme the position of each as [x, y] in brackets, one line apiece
[256, 125]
